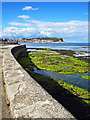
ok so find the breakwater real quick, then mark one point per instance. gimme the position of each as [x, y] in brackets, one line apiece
[27, 99]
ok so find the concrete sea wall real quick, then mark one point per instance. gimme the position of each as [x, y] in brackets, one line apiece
[26, 97]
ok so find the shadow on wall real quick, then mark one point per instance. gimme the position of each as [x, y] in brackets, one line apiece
[64, 97]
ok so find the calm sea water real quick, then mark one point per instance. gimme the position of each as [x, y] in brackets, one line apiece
[71, 79]
[61, 46]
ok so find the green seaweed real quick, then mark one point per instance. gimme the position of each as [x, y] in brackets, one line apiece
[75, 90]
[28, 65]
[56, 88]
[86, 77]
[58, 63]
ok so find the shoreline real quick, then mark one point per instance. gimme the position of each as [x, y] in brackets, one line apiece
[68, 53]
[56, 88]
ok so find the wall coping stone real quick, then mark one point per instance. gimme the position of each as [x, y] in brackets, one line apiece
[27, 98]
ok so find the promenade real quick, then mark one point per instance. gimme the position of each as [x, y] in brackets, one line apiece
[26, 97]
[4, 108]
[1, 59]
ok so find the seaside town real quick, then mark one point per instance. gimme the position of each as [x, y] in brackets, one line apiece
[29, 40]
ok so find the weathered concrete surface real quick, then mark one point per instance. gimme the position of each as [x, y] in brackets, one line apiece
[27, 98]
[1, 59]
[4, 108]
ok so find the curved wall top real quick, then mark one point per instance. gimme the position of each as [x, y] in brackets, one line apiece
[27, 98]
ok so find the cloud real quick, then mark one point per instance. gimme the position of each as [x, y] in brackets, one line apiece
[0, 31]
[62, 29]
[70, 31]
[19, 24]
[29, 8]
[14, 32]
[23, 16]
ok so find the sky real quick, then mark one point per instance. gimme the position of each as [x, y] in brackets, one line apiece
[45, 0]
[67, 20]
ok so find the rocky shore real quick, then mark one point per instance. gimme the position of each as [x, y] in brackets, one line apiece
[72, 53]
[82, 55]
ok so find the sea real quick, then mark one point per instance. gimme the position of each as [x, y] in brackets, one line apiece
[71, 79]
[61, 46]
